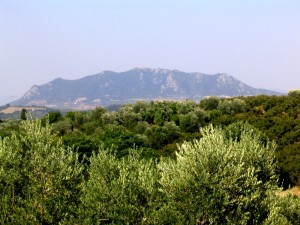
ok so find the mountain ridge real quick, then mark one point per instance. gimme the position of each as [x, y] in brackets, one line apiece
[147, 84]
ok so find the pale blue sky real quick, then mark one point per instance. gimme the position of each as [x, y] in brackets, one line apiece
[256, 41]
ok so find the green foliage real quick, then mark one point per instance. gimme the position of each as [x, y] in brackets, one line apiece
[54, 117]
[141, 127]
[235, 131]
[186, 107]
[232, 106]
[82, 144]
[7, 127]
[23, 115]
[96, 115]
[162, 114]
[109, 118]
[218, 181]
[158, 136]
[39, 178]
[62, 127]
[127, 117]
[210, 103]
[290, 158]
[225, 177]
[172, 131]
[284, 211]
[157, 126]
[279, 118]
[189, 122]
[77, 119]
[120, 191]
[294, 94]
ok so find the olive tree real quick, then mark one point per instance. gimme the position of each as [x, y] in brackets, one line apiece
[218, 180]
[39, 178]
[284, 210]
[210, 103]
[128, 117]
[120, 191]
[232, 106]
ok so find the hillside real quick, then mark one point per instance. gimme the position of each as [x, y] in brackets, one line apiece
[109, 88]
[13, 109]
[107, 164]
[14, 112]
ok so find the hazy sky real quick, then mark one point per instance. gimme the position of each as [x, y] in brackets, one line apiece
[256, 41]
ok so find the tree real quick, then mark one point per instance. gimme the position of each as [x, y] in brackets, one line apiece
[39, 178]
[216, 180]
[284, 210]
[294, 94]
[210, 103]
[186, 107]
[141, 127]
[109, 118]
[128, 117]
[157, 136]
[82, 144]
[173, 132]
[54, 117]
[120, 191]
[189, 122]
[162, 112]
[232, 106]
[97, 113]
[23, 114]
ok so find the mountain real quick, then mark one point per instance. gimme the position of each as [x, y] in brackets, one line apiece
[109, 88]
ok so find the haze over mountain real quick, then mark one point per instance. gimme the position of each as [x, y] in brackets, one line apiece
[5, 99]
[147, 84]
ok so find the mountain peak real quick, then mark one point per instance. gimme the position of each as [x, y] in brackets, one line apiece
[146, 84]
[150, 70]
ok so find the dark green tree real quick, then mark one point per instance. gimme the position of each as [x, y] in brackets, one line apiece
[23, 115]
[210, 103]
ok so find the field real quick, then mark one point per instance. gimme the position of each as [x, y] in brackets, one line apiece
[14, 112]
[294, 191]
[13, 109]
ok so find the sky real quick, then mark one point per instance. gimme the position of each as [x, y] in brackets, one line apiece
[256, 41]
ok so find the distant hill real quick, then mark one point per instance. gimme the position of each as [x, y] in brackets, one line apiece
[109, 88]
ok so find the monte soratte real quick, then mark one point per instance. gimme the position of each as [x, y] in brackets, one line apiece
[146, 84]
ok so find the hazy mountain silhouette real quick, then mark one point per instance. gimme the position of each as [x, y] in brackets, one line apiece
[109, 87]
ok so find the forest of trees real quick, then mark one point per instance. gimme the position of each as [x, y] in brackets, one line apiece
[219, 161]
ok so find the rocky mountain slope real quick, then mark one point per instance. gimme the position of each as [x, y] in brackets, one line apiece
[109, 87]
